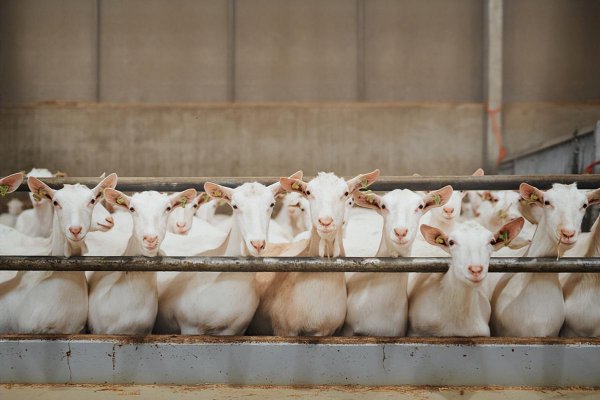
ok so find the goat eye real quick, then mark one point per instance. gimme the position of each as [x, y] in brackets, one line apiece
[93, 201]
[195, 205]
[420, 206]
[302, 209]
[272, 205]
[585, 205]
[383, 206]
[451, 242]
[493, 242]
[169, 208]
[547, 203]
[131, 209]
[346, 194]
[235, 207]
[308, 192]
[55, 203]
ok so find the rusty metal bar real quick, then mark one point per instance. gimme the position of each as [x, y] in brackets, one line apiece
[386, 183]
[292, 264]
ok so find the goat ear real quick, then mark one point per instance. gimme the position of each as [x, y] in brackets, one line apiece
[293, 185]
[362, 181]
[278, 189]
[368, 200]
[10, 183]
[479, 172]
[108, 182]
[437, 198]
[182, 199]
[435, 237]
[116, 198]
[202, 198]
[594, 197]
[218, 192]
[531, 194]
[508, 232]
[39, 189]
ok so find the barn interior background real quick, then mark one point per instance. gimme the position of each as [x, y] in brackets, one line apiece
[265, 87]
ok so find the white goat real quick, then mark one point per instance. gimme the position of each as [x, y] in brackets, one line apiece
[37, 221]
[15, 207]
[312, 304]
[455, 303]
[54, 301]
[181, 219]
[539, 295]
[378, 302]
[127, 302]
[294, 216]
[222, 303]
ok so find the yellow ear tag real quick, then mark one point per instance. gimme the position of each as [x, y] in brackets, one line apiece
[183, 201]
[437, 199]
[364, 183]
[502, 214]
[532, 199]
[3, 190]
[37, 197]
[120, 201]
[205, 197]
[296, 186]
[217, 193]
[440, 240]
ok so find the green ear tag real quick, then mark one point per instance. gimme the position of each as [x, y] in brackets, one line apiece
[437, 199]
[121, 201]
[295, 186]
[3, 190]
[205, 197]
[440, 240]
[503, 236]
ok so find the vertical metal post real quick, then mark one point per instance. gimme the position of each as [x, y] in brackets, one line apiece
[231, 50]
[360, 51]
[493, 150]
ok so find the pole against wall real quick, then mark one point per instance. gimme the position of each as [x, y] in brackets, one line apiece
[493, 150]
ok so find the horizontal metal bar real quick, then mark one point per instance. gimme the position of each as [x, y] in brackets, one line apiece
[292, 264]
[386, 183]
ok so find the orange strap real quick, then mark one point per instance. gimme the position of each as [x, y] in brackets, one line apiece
[492, 114]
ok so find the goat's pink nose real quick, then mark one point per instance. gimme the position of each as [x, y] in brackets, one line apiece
[568, 233]
[150, 239]
[448, 210]
[400, 232]
[475, 269]
[110, 220]
[258, 244]
[326, 221]
[75, 230]
[180, 224]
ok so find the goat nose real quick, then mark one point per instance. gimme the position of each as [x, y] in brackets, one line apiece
[400, 232]
[568, 233]
[448, 210]
[75, 230]
[475, 269]
[150, 239]
[180, 224]
[258, 244]
[326, 221]
[110, 220]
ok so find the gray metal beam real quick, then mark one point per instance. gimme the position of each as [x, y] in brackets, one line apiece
[300, 361]
[385, 183]
[293, 264]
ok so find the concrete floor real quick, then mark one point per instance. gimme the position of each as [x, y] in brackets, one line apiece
[217, 392]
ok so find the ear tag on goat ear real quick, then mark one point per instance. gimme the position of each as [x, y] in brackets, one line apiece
[364, 182]
[532, 199]
[3, 190]
[440, 240]
[296, 186]
[369, 197]
[437, 199]
[503, 236]
[120, 201]
[183, 201]
[502, 214]
[205, 197]
[37, 197]
[217, 193]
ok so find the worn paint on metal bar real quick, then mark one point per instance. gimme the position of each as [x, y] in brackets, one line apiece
[490, 182]
[300, 361]
[291, 264]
